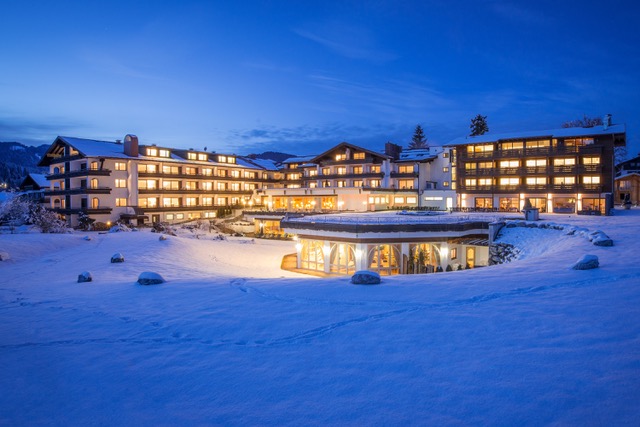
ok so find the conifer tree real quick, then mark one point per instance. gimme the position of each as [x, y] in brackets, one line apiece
[479, 125]
[419, 140]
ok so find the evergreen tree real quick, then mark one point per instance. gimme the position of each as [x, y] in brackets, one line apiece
[479, 125]
[419, 140]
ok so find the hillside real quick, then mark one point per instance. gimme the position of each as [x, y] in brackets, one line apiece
[17, 160]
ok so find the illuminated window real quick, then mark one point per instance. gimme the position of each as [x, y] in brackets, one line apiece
[591, 179]
[405, 169]
[207, 185]
[531, 163]
[190, 171]
[121, 166]
[564, 180]
[398, 200]
[470, 166]
[340, 157]
[509, 182]
[121, 202]
[358, 156]
[484, 202]
[171, 202]
[170, 185]
[538, 144]
[146, 168]
[191, 156]
[152, 152]
[121, 183]
[412, 200]
[341, 183]
[221, 186]
[207, 171]
[147, 184]
[94, 166]
[593, 160]
[509, 163]
[470, 182]
[190, 185]
[163, 153]
[484, 182]
[191, 201]
[203, 157]
[207, 201]
[445, 169]
[511, 146]
[485, 165]
[342, 170]
[222, 159]
[569, 161]
[536, 180]
[313, 172]
[375, 169]
[375, 183]
[357, 183]
[95, 203]
[169, 217]
[405, 184]
[172, 170]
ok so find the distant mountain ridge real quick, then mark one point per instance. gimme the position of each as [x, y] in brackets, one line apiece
[18, 160]
[276, 156]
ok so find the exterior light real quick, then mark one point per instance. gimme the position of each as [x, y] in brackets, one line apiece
[298, 246]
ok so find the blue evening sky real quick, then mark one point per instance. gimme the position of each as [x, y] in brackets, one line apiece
[301, 76]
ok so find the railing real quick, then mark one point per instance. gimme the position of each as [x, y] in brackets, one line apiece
[78, 190]
[79, 172]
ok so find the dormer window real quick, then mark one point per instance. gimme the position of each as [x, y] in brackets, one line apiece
[152, 152]
[191, 156]
[203, 157]
[164, 153]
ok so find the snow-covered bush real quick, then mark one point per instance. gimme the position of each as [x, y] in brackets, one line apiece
[47, 220]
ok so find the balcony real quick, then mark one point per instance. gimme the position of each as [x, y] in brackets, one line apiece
[78, 190]
[404, 174]
[79, 173]
[88, 211]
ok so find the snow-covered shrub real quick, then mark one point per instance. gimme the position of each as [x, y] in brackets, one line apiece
[15, 211]
[47, 220]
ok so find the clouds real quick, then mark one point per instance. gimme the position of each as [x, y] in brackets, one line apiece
[346, 39]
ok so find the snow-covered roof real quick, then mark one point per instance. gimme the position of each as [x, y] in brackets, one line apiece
[420, 154]
[266, 164]
[301, 159]
[550, 133]
[94, 148]
[39, 179]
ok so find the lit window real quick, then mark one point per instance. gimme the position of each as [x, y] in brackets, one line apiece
[163, 153]
[190, 171]
[235, 174]
[445, 169]
[207, 171]
[564, 180]
[121, 166]
[120, 201]
[412, 200]
[121, 183]
[445, 183]
[203, 157]
[358, 156]
[191, 201]
[375, 169]
[398, 200]
[152, 152]
[169, 217]
[570, 161]
[341, 157]
[509, 163]
[591, 179]
[191, 156]
[591, 160]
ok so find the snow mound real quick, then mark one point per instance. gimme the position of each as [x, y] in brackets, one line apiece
[587, 262]
[150, 278]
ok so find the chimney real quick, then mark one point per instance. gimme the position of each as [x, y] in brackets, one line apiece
[606, 121]
[131, 145]
[392, 150]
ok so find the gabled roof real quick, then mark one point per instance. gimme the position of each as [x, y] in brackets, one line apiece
[36, 180]
[350, 146]
[551, 133]
[86, 147]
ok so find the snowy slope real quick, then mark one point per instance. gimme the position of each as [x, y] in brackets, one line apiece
[231, 339]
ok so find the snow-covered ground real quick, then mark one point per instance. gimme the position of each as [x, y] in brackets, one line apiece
[230, 339]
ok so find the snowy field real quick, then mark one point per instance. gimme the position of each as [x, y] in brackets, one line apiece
[232, 340]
